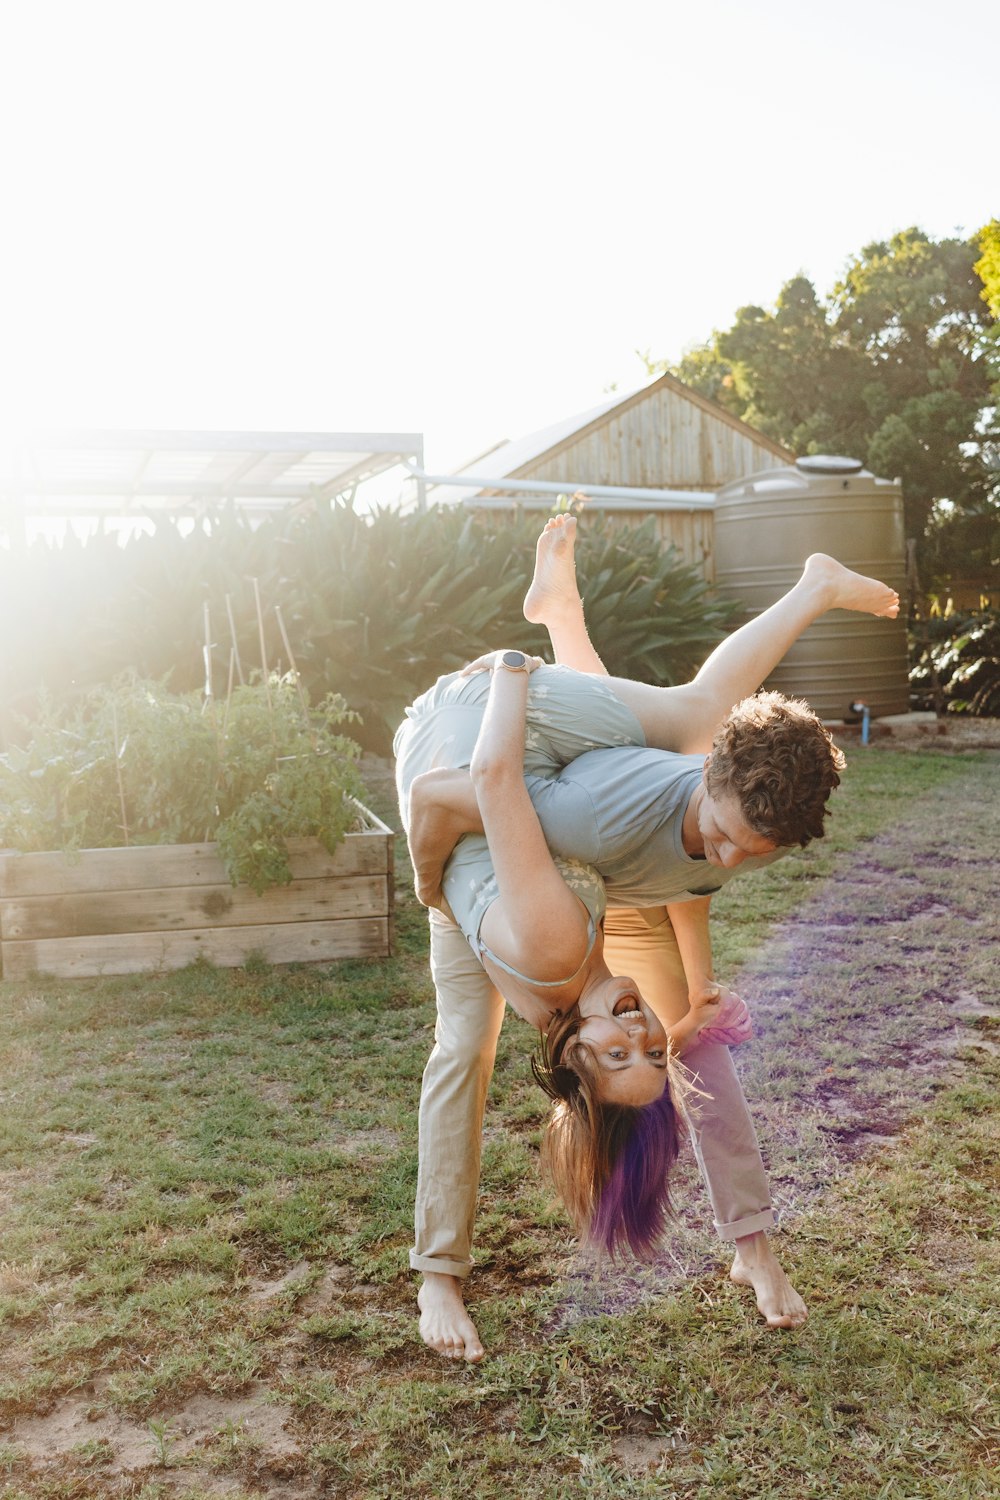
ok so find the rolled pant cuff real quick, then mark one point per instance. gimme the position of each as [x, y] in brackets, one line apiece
[438, 1263]
[766, 1219]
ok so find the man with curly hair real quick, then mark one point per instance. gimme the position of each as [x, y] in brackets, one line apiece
[779, 763]
[666, 831]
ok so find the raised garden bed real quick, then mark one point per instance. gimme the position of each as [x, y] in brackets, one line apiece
[161, 906]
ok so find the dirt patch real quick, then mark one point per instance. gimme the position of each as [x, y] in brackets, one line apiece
[263, 1291]
[641, 1453]
[74, 1428]
[276, 1092]
[327, 1291]
[248, 1419]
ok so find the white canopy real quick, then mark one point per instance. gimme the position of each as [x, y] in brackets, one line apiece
[86, 474]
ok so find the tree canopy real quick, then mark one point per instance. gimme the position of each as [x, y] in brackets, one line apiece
[899, 365]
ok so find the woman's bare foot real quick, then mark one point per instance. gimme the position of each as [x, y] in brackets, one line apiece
[444, 1323]
[756, 1265]
[553, 596]
[842, 589]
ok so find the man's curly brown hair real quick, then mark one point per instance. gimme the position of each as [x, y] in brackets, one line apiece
[775, 757]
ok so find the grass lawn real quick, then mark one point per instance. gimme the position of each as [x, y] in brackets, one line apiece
[207, 1179]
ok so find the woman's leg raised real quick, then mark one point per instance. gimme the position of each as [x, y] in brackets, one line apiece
[685, 718]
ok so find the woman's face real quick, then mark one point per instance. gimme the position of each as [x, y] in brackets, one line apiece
[627, 1041]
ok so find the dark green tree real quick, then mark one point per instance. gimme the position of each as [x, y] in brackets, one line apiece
[893, 367]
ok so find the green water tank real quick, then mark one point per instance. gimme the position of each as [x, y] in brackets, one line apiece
[766, 526]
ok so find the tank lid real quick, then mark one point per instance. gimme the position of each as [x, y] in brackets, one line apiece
[828, 463]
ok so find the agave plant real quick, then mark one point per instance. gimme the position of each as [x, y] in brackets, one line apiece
[374, 607]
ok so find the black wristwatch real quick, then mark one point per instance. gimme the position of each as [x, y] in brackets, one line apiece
[514, 661]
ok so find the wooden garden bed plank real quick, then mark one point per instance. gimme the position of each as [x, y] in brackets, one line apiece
[133, 953]
[153, 866]
[174, 908]
[160, 906]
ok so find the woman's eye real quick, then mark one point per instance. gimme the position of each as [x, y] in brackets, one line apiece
[618, 1053]
[655, 1052]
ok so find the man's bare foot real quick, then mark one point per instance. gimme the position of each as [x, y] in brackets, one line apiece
[842, 589]
[553, 595]
[755, 1265]
[444, 1323]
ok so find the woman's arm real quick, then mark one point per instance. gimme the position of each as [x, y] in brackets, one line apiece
[537, 923]
[443, 807]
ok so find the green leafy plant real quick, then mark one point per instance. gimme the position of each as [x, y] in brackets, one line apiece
[136, 764]
[955, 662]
[285, 773]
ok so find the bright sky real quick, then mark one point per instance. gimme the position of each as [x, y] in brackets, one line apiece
[448, 216]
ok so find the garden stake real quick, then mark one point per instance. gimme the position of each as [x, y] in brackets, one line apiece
[263, 648]
[232, 635]
[209, 691]
[292, 663]
[221, 742]
[263, 662]
[233, 661]
[118, 772]
[207, 650]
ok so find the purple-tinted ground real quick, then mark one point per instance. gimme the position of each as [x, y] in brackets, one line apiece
[874, 994]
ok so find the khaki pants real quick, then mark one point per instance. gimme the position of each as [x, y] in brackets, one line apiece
[453, 1097]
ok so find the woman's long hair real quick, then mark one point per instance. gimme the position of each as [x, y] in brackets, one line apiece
[609, 1163]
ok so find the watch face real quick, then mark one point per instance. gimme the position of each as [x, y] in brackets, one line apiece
[514, 659]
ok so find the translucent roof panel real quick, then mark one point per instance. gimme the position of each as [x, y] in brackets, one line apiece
[177, 473]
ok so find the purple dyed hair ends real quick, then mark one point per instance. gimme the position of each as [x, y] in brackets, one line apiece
[632, 1206]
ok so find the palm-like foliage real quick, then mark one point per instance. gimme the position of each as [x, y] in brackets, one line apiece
[374, 607]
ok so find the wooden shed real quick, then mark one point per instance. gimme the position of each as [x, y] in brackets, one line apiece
[665, 438]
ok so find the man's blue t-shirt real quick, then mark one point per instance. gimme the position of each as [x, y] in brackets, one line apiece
[622, 810]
